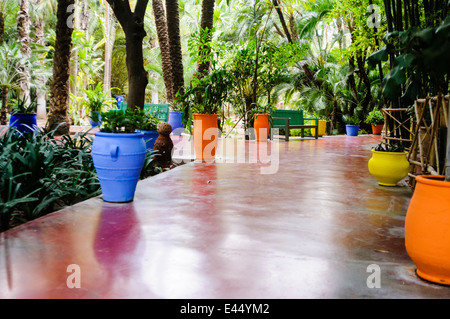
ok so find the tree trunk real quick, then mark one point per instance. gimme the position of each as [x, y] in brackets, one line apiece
[4, 109]
[84, 16]
[108, 50]
[133, 26]
[207, 22]
[283, 22]
[23, 29]
[137, 76]
[59, 102]
[173, 28]
[74, 57]
[2, 27]
[164, 46]
[39, 26]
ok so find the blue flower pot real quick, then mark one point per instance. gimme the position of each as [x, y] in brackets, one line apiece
[23, 122]
[118, 159]
[150, 138]
[352, 130]
[93, 123]
[176, 121]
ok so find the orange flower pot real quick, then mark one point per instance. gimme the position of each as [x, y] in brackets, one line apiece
[427, 229]
[262, 127]
[377, 129]
[205, 135]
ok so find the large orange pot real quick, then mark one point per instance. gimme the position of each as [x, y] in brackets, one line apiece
[377, 129]
[427, 229]
[206, 135]
[262, 127]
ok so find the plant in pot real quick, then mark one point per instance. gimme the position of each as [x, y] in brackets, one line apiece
[147, 123]
[388, 163]
[204, 98]
[23, 115]
[176, 118]
[97, 100]
[352, 124]
[262, 121]
[376, 119]
[118, 153]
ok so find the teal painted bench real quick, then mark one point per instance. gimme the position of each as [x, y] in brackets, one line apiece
[160, 110]
[293, 119]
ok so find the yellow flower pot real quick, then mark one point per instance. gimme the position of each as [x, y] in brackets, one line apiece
[388, 168]
[322, 128]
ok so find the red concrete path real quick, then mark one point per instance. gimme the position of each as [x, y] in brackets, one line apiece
[225, 230]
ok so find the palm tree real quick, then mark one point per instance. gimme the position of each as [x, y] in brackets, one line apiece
[41, 9]
[2, 19]
[206, 25]
[23, 28]
[163, 39]
[59, 102]
[176, 56]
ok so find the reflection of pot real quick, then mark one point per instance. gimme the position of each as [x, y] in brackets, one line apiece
[427, 226]
[262, 127]
[388, 167]
[205, 135]
[117, 237]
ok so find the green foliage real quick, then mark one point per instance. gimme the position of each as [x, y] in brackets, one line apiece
[97, 99]
[421, 64]
[19, 105]
[40, 174]
[206, 95]
[150, 167]
[351, 120]
[119, 121]
[128, 121]
[150, 124]
[374, 117]
[386, 147]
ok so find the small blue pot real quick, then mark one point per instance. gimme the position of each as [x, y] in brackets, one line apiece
[150, 138]
[176, 121]
[95, 124]
[352, 130]
[118, 159]
[23, 122]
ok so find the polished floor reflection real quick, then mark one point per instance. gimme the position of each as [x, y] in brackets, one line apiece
[302, 219]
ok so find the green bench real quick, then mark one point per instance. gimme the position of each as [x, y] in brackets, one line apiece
[293, 119]
[160, 110]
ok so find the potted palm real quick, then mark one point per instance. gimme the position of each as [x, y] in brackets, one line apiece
[118, 153]
[262, 122]
[205, 97]
[97, 100]
[23, 115]
[176, 118]
[376, 119]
